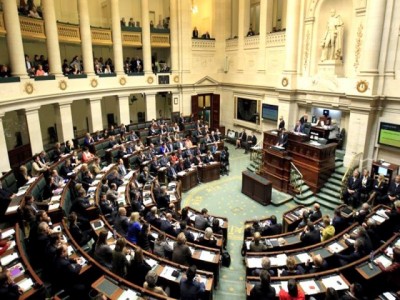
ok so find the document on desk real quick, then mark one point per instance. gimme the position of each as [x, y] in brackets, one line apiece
[195, 234]
[129, 175]
[181, 173]
[378, 218]
[55, 198]
[248, 245]
[309, 287]
[128, 294]
[192, 250]
[206, 255]
[335, 247]
[303, 257]
[277, 286]
[169, 272]
[147, 201]
[54, 206]
[254, 262]
[336, 282]
[70, 250]
[386, 262]
[12, 209]
[25, 284]
[151, 262]
[279, 260]
[8, 258]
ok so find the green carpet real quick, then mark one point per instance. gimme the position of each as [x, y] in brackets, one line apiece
[224, 198]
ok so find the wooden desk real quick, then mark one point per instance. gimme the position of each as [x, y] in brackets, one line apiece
[256, 187]
[276, 168]
[209, 172]
[292, 218]
[188, 178]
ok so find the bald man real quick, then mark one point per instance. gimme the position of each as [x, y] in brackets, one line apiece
[315, 213]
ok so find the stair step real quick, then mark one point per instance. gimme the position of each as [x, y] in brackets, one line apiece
[338, 164]
[306, 202]
[330, 192]
[341, 170]
[335, 181]
[305, 194]
[337, 176]
[333, 187]
[326, 204]
[329, 198]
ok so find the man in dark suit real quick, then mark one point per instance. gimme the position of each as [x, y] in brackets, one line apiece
[273, 228]
[171, 173]
[121, 222]
[182, 228]
[344, 259]
[316, 213]
[191, 287]
[310, 235]
[281, 123]
[251, 141]
[263, 289]
[201, 221]
[304, 119]
[166, 225]
[353, 187]
[154, 166]
[393, 193]
[282, 139]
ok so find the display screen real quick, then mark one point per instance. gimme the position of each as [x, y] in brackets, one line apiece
[247, 110]
[270, 112]
[389, 134]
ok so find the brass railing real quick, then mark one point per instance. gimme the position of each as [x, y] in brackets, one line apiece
[296, 179]
[354, 163]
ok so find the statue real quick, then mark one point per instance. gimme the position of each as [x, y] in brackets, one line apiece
[332, 39]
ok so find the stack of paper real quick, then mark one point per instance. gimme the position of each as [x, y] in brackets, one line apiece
[206, 255]
[25, 284]
[386, 262]
[309, 287]
[336, 282]
[54, 206]
[12, 209]
[167, 273]
[254, 262]
[378, 219]
[8, 258]
[128, 294]
[304, 257]
[335, 247]
[151, 262]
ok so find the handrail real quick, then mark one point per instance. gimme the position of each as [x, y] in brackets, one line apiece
[355, 162]
[295, 181]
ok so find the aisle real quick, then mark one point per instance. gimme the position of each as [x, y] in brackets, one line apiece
[223, 197]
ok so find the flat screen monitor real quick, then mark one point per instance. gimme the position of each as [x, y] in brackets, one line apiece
[270, 112]
[247, 110]
[382, 171]
[389, 134]
[326, 112]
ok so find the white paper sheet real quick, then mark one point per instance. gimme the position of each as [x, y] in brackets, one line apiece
[335, 247]
[206, 255]
[309, 287]
[128, 294]
[25, 284]
[336, 282]
[8, 258]
[254, 262]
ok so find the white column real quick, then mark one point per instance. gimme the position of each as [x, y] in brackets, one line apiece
[116, 37]
[146, 37]
[244, 17]
[4, 161]
[14, 39]
[373, 36]
[35, 133]
[292, 27]
[173, 35]
[65, 127]
[124, 113]
[53, 47]
[151, 110]
[263, 35]
[86, 37]
[95, 114]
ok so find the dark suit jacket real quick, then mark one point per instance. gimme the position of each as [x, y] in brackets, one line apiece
[273, 229]
[393, 190]
[191, 289]
[261, 292]
[181, 254]
[282, 140]
[310, 238]
[66, 268]
[354, 183]
[121, 224]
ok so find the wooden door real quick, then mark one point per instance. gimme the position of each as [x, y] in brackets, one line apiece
[215, 103]
[195, 108]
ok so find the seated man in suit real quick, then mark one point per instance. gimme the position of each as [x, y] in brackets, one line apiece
[315, 214]
[250, 142]
[154, 166]
[353, 187]
[202, 221]
[273, 228]
[145, 176]
[282, 139]
[172, 174]
[393, 193]
[298, 128]
[310, 235]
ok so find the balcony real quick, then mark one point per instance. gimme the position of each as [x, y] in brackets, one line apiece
[203, 44]
[68, 33]
[232, 44]
[160, 40]
[32, 28]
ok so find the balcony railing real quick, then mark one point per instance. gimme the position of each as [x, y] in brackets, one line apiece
[232, 44]
[276, 39]
[251, 42]
[131, 38]
[32, 28]
[203, 44]
[101, 36]
[68, 33]
[160, 40]
[2, 27]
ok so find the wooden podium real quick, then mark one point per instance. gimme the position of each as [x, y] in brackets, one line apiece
[316, 162]
[256, 187]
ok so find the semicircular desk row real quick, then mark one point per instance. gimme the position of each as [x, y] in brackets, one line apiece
[317, 283]
[210, 257]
